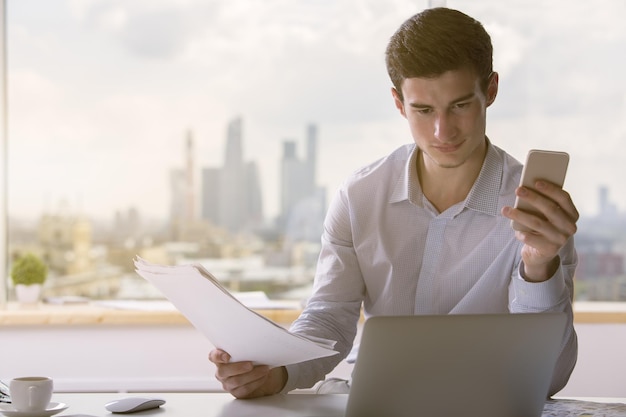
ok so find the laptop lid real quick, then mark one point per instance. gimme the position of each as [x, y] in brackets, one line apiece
[455, 365]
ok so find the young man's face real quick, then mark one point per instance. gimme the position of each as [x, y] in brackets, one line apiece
[447, 116]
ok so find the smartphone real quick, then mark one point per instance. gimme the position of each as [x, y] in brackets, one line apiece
[545, 165]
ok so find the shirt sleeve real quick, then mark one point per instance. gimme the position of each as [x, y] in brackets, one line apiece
[555, 294]
[334, 309]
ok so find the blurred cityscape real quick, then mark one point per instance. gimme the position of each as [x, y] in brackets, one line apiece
[601, 245]
[220, 223]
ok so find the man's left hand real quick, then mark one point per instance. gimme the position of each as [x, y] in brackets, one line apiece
[548, 234]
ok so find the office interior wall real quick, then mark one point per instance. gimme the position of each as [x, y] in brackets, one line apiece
[157, 358]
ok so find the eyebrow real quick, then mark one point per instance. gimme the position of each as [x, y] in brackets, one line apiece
[458, 100]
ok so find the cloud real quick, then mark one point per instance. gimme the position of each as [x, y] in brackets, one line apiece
[279, 59]
[134, 75]
[149, 29]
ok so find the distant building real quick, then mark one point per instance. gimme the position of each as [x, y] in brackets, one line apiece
[231, 183]
[601, 247]
[231, 195]
[302, 203]
[177, 203]
[294, 184]
[597, 258]
[182, 186]
[189, 182]
[607, 208]
[65, 241]
[254, 198]
[209, 192]
[126, 225]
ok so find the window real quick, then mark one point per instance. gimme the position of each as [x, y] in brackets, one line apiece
[217, 131]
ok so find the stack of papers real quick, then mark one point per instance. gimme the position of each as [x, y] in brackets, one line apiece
[225, 321]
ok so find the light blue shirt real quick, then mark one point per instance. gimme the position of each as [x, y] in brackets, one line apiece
[387, 249]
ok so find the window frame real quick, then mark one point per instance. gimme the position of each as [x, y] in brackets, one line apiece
[4, 255]
[3, 159]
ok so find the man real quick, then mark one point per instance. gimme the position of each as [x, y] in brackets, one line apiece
[426, 230]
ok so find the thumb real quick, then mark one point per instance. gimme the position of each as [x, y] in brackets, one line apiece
[219, 356]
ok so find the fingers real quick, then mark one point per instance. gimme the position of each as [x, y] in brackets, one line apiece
[218, 356]
[557, 213]
[244, 381]
[557, 196]
[241, 379]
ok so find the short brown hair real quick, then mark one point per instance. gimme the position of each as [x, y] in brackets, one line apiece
[435, 41]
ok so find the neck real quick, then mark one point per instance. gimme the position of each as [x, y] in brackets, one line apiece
[445, 187]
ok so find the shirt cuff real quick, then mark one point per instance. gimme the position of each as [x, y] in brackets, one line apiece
[292, 378]
[538, 296]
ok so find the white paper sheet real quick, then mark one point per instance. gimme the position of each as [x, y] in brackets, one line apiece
[225, 321]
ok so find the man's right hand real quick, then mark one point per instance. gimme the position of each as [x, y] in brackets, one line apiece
[244, 380]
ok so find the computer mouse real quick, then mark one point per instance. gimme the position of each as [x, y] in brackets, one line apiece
[133, 404]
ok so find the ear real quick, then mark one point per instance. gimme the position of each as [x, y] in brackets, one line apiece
[398, 101]
[492, 88]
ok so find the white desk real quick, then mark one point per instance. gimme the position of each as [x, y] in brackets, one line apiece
[224, 405]
[210, 405]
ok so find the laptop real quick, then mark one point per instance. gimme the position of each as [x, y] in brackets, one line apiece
[487, 365]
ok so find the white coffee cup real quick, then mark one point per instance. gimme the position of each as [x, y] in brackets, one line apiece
[31, 393]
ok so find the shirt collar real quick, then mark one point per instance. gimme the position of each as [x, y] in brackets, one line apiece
[485, 192]
[482, 197]
[408, 186]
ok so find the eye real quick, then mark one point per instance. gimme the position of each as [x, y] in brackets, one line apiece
[463, 105]
[423, 110]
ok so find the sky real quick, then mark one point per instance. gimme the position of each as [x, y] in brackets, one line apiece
[102, 93]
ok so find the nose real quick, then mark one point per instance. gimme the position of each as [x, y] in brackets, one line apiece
[444, 127]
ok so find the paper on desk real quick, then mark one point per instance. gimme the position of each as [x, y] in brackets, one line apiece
[225, 321]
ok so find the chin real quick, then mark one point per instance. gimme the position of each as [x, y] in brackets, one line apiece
[450, 161]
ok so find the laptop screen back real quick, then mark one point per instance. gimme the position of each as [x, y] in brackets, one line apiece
[456, 365]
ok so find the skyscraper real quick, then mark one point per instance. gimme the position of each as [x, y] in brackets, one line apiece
[190, 192]
[177, 202]
[231, 180]
[311, 158]
[210, 194]
[183, 194]
[231, 196]
[294, 181]
[302, 204]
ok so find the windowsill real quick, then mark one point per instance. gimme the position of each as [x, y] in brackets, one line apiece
[14, 314]
[599, 312]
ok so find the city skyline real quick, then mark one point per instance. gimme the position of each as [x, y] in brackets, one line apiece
[604, 198]
[101, 93]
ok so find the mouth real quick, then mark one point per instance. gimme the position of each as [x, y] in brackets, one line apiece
[448, 148]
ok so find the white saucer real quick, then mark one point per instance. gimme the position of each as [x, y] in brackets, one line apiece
[52, 409]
